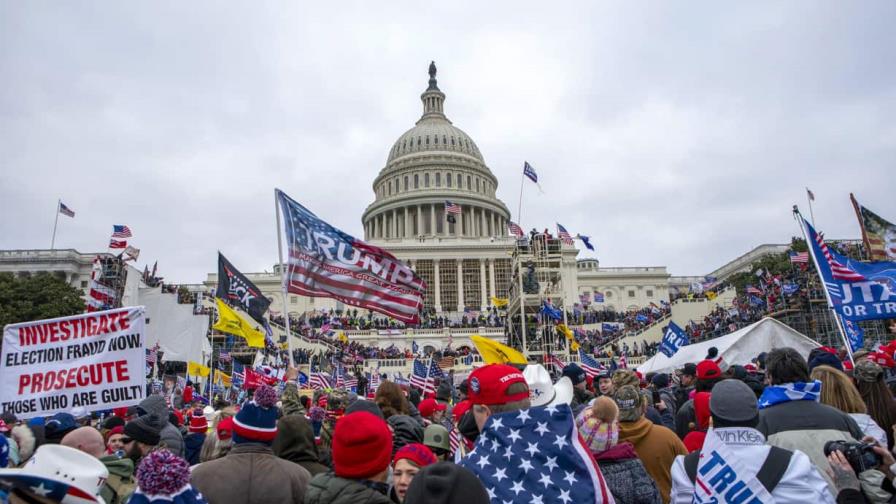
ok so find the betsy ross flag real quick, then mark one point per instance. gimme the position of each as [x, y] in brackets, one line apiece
[515, 229]
[590, 365]
[326, 262]
[536, 455]
[64, 210]
[120, 231]
[564, 236]
[118, 244]
[799, 257]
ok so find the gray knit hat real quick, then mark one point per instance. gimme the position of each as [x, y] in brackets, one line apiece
[734, 401]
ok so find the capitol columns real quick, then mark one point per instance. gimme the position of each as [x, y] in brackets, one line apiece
[394, 223]
[460, 285]
[407, 223]
[420, 219]
[491, 277]
[432, 222]
[484, 303]
[438, 287]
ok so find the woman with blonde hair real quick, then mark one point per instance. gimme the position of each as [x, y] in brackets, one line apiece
[839, 391]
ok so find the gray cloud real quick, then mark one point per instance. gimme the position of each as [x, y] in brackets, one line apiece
[673, 134]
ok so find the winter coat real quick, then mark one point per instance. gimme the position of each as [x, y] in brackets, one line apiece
[121, 483]
[171, 437]
[682, 395]
[295, 443]
[251, 474]
[657, 448]
[800, 483]
[626, 477]
[685, 418]
[806, 426]
[580, 397]
[193, 447]
[870, 428]
[405, 430]
[290, 400]
[327, 488]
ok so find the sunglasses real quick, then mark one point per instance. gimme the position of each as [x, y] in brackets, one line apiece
[126, 440]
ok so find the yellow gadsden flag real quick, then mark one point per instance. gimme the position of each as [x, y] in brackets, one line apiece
[499, 302]
[223, 378]
[196, 369]
[230, 322]
[710, 295]
[565, 331]
[493, 352]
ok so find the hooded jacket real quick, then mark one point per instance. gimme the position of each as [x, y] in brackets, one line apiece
[171, 437]
[657, 447]
[295, 443]
[120, 484]
[327, 488]
[800, 483]
[626, 477]
[406, 430]
[193, 446]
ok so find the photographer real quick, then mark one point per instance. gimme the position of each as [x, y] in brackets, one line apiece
[874, 485]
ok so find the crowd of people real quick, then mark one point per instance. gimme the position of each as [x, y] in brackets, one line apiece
[784, 427]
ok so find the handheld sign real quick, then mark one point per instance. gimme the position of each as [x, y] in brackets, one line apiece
[673, 339]
[95, 361]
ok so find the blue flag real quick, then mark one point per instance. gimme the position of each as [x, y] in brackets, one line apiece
[789, 289]
[608, 328]
[303, 380]
[530, 172]
[855, 335]
[858, 291]
[673, 339]
[550, 311]
[586, 240]
[756, 301]
[641, 317]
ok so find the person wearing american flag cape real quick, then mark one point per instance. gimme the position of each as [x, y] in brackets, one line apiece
[524, 453]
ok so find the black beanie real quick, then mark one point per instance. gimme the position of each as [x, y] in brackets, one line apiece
[446, 483]
[112, 422]
[143, 429]
[575, 374]
[363, 405]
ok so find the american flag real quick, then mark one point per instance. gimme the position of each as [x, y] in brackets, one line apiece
[590, 365]
[326, 262]
[838, 270]
[325, 329]
[118, 244]
[100, 297]
[540, 454]
[446, 362]
[454, 439]
[530, 172]
[319, 380]
[351, 382]
[64, 210]
[452, 208]
[553, 360]
[120, 231]
[797, 258]
[224, 356]
[423, 380]
[753, 290]
[515, 229]
[564, 236]
[152, 355]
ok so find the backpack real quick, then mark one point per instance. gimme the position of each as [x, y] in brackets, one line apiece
[769, 474]
[118, 489]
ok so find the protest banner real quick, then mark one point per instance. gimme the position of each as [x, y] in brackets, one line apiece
[94, 360]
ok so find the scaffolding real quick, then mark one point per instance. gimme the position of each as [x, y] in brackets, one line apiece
[536, 268]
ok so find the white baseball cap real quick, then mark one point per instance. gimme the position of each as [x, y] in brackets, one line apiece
[62, 474]
[542, 392]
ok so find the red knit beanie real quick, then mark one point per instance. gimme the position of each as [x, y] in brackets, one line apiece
[417, 453]
[362, 445]
[198, 423]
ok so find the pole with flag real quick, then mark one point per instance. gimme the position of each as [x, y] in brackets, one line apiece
[60, 209]
[810, 196]
[283, 280]
[837, 320]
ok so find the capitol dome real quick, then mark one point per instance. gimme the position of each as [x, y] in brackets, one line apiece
[429, 165]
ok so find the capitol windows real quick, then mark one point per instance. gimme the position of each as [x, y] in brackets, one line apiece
[444, 140]
[460, 182]
[427, 139]
[435, 139]
[649, 292]
[448, 179]
[608, 294]
[477, 185]
[405, 183]
[426, 180]
[438, 180]
[452, 141]
[416, 181]
[631, 293]
[469, 183]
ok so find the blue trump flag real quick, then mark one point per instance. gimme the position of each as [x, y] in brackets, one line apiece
[550, 311]
[855, 335]
[641, 317]
[673, 339]
[856, 290]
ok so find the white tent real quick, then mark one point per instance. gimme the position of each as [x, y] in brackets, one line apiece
[180, 334]
[735, 348]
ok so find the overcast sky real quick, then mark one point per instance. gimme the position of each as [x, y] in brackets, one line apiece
[673, 133]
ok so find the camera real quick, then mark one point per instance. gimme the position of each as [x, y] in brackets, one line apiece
[860, 456]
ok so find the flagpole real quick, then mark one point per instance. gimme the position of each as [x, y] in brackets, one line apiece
[519, 208]
[282, 282]
[55, 223]
[827, 295]
[811, 213]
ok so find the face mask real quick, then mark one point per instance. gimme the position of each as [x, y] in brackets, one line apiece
[467, 427]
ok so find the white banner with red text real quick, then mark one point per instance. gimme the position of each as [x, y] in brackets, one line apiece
[95, 361]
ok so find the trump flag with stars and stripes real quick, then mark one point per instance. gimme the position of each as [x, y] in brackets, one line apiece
[857, 290]
[536, 456]
[327, 262]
